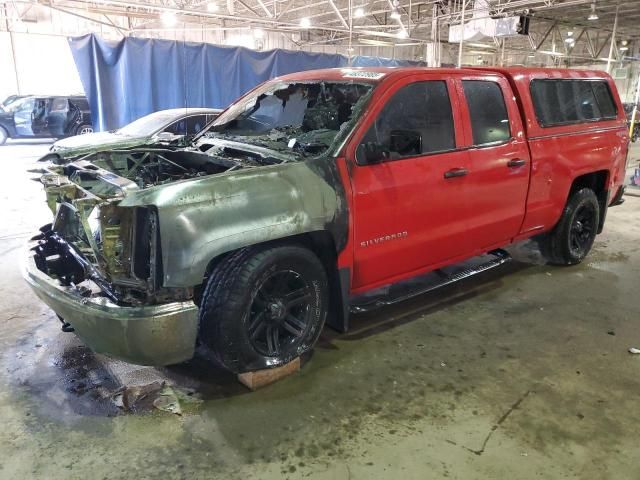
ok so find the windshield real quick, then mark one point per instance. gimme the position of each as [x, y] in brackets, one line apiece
[302, 117]
[148, 125]
[19, 104]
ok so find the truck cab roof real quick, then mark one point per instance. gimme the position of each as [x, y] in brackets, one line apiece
[378, 74]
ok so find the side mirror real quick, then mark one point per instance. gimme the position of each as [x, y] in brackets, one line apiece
[370, 153]
[166, 137]
[406, 142]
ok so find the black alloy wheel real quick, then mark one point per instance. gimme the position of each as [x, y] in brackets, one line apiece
[280, 314]
[582, 229]
[572, 238]
[263, 307]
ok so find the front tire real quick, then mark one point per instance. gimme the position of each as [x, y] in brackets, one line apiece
[3, 136]
[263, 307]
[572, 238]
[84, 129]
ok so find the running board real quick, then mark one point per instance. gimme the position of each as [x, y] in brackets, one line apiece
[413, 287]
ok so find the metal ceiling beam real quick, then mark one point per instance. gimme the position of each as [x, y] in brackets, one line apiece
[546, 35]
[338, 14]
[264, 7]
[85, 17]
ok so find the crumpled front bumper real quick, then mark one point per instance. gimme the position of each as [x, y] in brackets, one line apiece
[148, 335]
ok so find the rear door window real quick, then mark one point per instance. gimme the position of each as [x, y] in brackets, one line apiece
[488, 111]
[423, 108]
[59, 105]
[564, 102]
[605, 99]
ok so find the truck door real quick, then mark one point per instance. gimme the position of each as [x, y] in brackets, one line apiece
[409, 208]
[499, 162]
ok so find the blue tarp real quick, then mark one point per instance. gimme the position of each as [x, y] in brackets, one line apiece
[136, 76]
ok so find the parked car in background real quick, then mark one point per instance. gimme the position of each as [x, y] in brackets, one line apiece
[10, 99]
[314, 193]
[628, 110]
[45, 117]
[159, 127]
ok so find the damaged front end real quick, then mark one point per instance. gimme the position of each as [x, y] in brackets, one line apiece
[94, 244]
[99, 265]
[135, 230]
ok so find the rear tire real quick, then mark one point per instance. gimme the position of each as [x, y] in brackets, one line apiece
[573, 236]
[263, 307]
[3, 136]
[84, 129]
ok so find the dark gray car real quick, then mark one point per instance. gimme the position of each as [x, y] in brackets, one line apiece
[159, 127]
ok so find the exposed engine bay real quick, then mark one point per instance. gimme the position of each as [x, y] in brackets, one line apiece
[149, 167]
[95, 243]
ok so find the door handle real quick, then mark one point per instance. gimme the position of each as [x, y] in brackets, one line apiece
[516, 162]
[456, 172]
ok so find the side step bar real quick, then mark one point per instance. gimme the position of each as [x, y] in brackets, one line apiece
[426, 283]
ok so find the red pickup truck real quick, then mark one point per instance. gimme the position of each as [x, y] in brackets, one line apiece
[314, 190]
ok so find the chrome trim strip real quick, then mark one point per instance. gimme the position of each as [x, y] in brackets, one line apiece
[582, 132]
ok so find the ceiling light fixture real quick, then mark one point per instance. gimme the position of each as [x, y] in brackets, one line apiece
[593, 15]
[570, 41]
[168, 18]
[305, 22]
[358, 12]
[402, 33]
[532, 55]
[212, 7]
[569, 33]
[395, 14]
[624, 49]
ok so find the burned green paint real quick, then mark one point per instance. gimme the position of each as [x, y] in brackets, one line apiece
[203, 218]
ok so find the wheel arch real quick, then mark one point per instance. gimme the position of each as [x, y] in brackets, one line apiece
[323, 244]
[597, 181]
[7, 135]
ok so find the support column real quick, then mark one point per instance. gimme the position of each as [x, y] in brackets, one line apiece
[464, 5]
[613, 41]
[636, 99]
[15, 65]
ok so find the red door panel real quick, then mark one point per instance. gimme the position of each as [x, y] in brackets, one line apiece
[406, 214]
[499, 162]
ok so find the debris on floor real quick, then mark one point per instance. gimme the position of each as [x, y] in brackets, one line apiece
[173, 400]
[634, 350]
[157, 395]
[137, 397]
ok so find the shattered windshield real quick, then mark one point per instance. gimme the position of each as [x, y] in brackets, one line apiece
[300, 117]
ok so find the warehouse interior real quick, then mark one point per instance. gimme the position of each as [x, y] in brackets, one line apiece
[510, 369]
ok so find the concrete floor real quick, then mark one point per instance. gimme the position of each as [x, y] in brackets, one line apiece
[520, 373]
